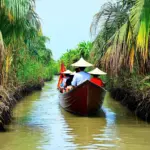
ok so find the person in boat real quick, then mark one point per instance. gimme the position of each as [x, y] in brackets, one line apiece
[80, 76]
[68, 82]
[95, 79]
[64, 81]
[62, 69]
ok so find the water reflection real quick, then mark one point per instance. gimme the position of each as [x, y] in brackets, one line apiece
[40, 123]
[84, 129]
[20, 137]
[130, 132]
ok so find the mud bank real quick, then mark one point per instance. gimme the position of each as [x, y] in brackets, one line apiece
[137, 102]
[9, 99]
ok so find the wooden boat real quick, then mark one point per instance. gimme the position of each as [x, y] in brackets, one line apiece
[85, 99]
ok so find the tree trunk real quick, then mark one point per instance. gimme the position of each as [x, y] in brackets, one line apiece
[2, 51]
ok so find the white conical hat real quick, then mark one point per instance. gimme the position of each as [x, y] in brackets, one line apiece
[73, 73]
[81, 63]
[97, 72]
[67, 72]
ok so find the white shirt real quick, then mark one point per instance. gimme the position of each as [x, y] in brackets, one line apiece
[80, 77]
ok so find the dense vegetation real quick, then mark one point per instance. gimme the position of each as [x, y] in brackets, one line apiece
[122, 44]
[82, 50]
[24, 57]
[121, 47]
[25, 61]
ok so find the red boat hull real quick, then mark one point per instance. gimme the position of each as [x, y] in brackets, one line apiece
[85, 99]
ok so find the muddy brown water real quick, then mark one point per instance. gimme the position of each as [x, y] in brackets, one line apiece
[40, 124]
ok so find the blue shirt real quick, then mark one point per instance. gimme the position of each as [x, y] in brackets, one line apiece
[80, 77]
[64, 82]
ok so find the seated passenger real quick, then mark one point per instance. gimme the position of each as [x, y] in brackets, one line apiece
[68, 82]
[68, 85]
[97, 72]
[80, 76]
[66, 77]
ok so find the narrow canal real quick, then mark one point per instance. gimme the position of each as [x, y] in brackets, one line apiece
[40, 123]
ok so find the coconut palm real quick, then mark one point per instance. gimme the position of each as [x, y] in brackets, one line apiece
[84, 49]
[21, 31]
[128, 3]
[71, 56]
[18, 22]
[129, 44]
[134, 37]
[110, 18]
[17, 18]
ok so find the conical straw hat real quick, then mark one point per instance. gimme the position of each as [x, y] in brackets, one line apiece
[67, 72]
[73, 73]
[97, 72]
[81, 63]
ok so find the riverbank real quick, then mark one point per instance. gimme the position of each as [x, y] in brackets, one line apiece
[137, 102]
[39, 123]
[9, 99]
